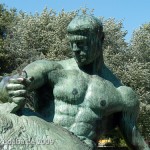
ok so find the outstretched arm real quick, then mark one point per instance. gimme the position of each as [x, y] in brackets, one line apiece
[35, 76]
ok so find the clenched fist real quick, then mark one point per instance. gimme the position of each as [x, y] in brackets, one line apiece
[17, 88]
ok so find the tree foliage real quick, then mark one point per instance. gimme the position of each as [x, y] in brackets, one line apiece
[39, 36]
[7, 20]
[140, 51]
[140, 43]
[25, 38]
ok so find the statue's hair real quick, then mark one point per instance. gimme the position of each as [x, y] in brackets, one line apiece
[85, 22]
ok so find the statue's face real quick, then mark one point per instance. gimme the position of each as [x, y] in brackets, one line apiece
[85, 36]
[85, 48]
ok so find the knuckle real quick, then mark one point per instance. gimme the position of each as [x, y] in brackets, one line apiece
[17, 93]
[10, 93]
[21, 79]
[15, 87]
[11, 80]
[18, 100]
[16, 80]
[8, 86]
[21, 92]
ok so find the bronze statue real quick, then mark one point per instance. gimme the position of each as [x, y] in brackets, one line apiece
[80, 94]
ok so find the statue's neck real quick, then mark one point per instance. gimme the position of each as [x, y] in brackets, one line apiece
[93, 68]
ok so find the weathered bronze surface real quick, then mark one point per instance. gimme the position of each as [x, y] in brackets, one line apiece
[80, 94]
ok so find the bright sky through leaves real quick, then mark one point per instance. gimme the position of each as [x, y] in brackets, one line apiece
[134, 13]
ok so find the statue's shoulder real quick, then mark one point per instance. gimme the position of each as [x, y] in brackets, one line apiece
[126, 91]
[43, 65]
[69, 64]
[46, 63]
[129, 96]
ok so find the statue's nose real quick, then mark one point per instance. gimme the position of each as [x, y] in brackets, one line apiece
[75, 48]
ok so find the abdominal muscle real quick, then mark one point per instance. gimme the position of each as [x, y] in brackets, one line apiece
[76, 119]
[64, 113]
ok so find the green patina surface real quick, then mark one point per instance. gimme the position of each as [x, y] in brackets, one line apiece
[79, 95]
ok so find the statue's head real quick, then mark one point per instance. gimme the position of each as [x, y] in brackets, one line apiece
[85, 34]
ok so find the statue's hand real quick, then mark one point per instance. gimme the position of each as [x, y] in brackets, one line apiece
[17, 89]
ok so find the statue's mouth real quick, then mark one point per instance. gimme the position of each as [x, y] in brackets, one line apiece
[80, 55]
[80, 58]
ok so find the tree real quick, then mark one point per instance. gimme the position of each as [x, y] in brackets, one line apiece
[32, 37]
[115, 48]
[39, 36]
[7, 20]
[140, 43]
[140, 50]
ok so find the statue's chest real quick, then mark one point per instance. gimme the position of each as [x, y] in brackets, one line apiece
[70, 88]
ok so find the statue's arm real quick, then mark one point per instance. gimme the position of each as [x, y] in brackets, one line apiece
[33, 77]
[39, 71]
[128, 120]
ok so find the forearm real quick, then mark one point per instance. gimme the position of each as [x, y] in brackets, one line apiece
[131, 133]
[39, 70]
[138, 140]
[36, 75]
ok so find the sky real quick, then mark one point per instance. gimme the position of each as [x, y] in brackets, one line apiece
[133, 13]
